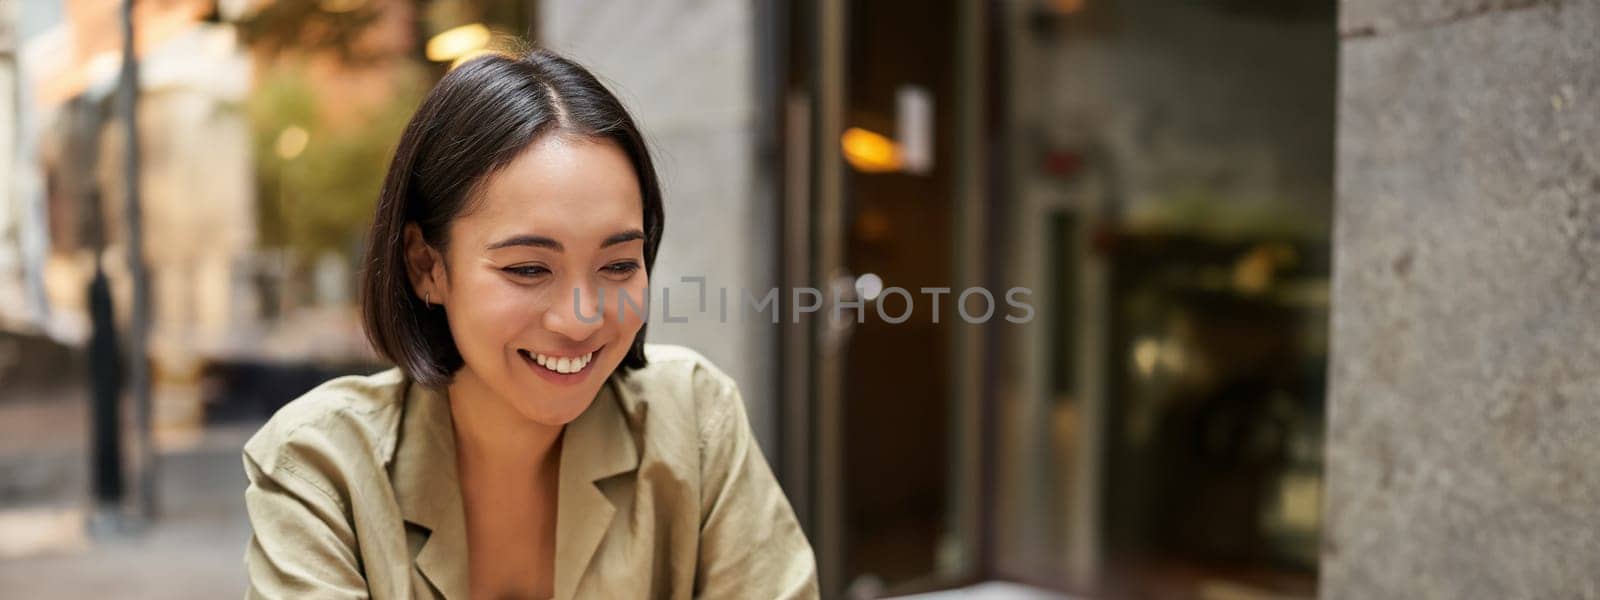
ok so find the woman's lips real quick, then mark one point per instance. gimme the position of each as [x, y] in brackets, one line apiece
[561, 370]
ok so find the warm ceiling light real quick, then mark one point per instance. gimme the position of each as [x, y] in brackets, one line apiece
[456, 42]
[869, 152]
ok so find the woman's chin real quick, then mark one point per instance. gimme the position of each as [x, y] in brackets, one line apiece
[553, 413]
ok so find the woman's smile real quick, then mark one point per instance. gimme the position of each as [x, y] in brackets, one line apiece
[561, 370]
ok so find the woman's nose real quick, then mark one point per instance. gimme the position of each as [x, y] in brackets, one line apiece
[579, 314]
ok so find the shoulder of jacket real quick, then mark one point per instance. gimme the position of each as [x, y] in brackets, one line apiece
[679, 372]
[684, 382]
[679, 364]
[344, 422]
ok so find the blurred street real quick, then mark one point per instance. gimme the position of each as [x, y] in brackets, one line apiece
[194, 550]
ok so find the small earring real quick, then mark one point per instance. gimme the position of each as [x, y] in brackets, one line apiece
[427, 299]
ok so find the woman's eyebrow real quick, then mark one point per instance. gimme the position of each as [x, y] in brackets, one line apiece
[539, 241]
[626, 236]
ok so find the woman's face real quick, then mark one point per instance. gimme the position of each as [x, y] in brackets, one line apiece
[552, 234]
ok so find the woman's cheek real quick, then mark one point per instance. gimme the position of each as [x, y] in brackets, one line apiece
[497, 311]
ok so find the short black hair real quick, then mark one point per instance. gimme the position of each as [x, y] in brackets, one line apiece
[476, 120]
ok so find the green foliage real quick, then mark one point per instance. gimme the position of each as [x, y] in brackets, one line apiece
[322, 198]
[286, 26]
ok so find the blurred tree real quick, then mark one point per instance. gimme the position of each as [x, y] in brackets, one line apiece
[301, 26]
[309, 26]
[318, 183]
[336, 82]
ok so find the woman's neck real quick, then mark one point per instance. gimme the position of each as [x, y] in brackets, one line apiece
[489, 432]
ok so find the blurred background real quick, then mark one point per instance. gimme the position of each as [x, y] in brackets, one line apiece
[1160, 174]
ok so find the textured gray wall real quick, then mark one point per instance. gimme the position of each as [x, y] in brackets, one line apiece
[684, 68]
[1464, 408]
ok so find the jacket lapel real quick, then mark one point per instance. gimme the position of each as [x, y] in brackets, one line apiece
[596, 446]
[428, 489]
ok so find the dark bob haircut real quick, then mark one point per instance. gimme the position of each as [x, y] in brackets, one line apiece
[479, 118]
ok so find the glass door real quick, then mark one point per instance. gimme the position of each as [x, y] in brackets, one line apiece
[881, 381]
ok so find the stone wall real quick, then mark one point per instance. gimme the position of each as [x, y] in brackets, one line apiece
[1464, 407]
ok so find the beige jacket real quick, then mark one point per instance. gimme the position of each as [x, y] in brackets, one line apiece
[663, 494]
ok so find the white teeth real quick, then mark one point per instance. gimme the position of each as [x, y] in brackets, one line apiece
[563, 364]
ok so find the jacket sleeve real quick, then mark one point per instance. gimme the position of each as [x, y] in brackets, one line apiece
[302, 546]
[751, 544]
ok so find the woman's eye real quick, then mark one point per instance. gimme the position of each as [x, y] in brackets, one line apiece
[622, 268]
[526, 271]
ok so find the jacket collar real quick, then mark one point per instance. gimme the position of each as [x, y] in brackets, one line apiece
[599, 444]
[428, 488]
[596, 446]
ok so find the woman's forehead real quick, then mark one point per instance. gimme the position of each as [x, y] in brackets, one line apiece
[561, 187]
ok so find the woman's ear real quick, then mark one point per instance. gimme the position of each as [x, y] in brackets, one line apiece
[425, 268]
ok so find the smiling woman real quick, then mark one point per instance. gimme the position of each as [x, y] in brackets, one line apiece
[548, 235]
[528, 443]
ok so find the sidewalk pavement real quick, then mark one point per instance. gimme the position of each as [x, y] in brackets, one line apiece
[194, 549]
